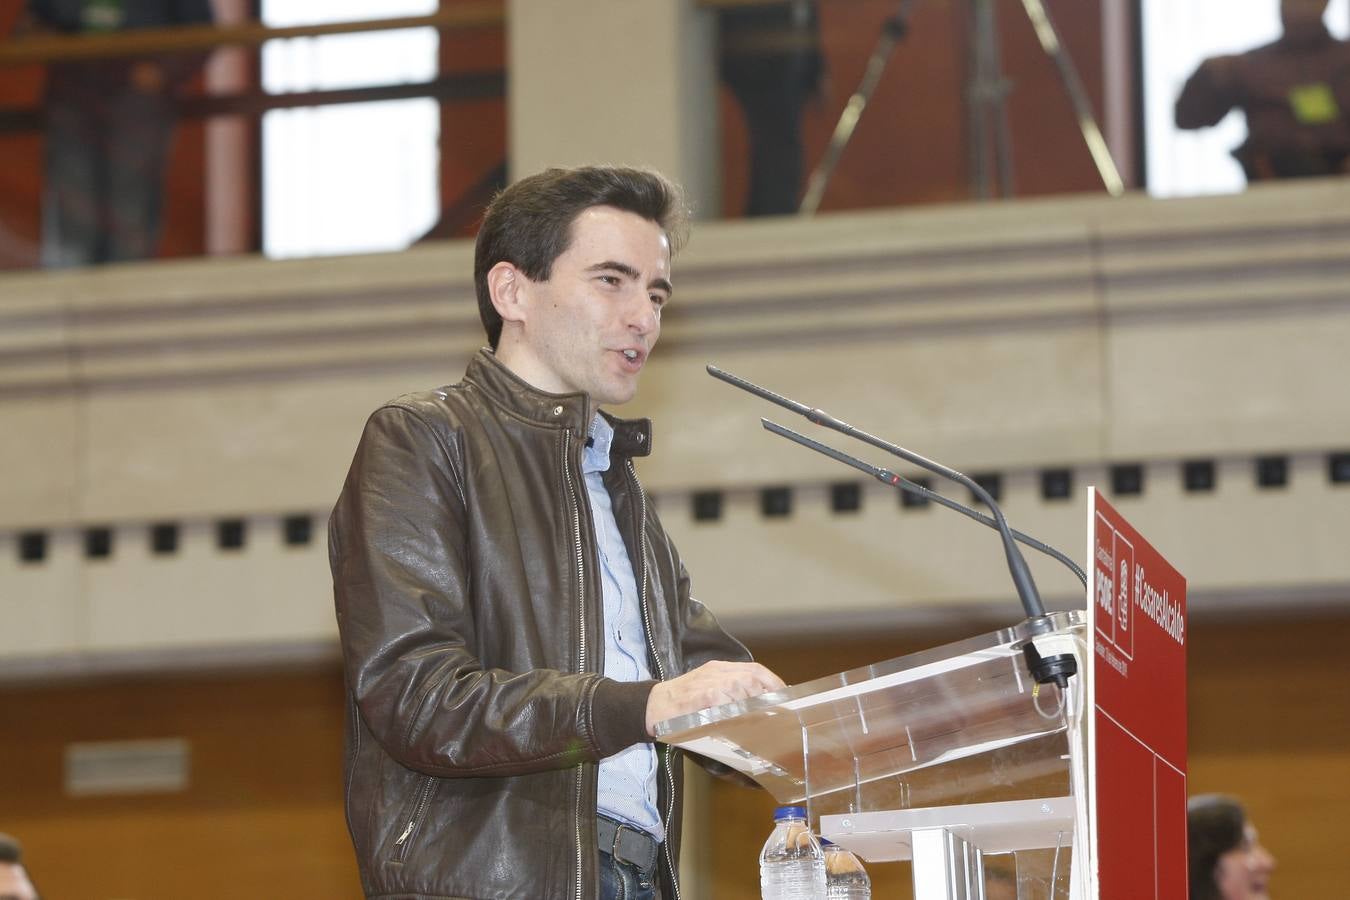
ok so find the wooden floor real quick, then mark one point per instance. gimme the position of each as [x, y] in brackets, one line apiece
[1270, 721]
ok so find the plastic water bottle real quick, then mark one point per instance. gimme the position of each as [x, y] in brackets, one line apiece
[792, 863]
[845, 877]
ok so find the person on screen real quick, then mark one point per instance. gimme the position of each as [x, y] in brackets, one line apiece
[1295, 94]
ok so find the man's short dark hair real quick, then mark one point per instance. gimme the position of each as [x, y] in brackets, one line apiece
[1215, 824]
[10, 851]
[529, 224]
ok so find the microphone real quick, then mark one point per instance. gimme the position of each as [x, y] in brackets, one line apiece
[886, 476]
[1057, 665]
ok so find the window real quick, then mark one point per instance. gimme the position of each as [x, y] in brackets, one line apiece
[164, 538]
[1056, 484]
[775, 502]
[707, 506]
[349, 178]
[846, 497]
[230, 534]
[297, 530]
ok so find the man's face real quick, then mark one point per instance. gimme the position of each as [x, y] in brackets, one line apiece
[1302, 18]
[1243, 873]
[14, 883]
[591, 326]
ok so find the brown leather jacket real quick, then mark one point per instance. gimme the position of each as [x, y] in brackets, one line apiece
[469, 605]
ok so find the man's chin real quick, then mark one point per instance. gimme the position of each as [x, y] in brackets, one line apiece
[617, 395]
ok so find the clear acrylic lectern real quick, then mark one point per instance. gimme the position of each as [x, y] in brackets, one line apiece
[952, 758]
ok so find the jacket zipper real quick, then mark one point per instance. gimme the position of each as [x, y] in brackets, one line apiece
[418, 810]
[581, 628]
[669, 753]
[356, 727]
[660, 669]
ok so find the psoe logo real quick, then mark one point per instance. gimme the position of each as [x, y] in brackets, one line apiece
[1123, 600]
[1116, 590]
[1106, 592]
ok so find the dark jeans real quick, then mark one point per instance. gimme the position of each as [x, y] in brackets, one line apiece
[105, 177]
[621, 880]
[772, 95]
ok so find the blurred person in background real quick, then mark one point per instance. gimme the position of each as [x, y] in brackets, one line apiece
[109, 125]
[771, 62]
[1227, 861]
[1295, 94]
[14, 881]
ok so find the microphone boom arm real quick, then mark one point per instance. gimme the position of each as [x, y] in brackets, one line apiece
[1017, 565]
[886, 476]
[1049, 656]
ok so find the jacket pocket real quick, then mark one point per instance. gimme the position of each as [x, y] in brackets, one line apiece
[426, 786]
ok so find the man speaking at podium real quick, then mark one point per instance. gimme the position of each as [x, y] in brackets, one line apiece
[514, 619]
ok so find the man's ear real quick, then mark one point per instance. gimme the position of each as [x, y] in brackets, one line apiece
[508, 288]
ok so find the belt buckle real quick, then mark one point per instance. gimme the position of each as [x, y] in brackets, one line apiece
[617, 852]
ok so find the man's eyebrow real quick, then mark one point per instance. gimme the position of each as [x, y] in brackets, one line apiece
[628, 271]
[611, 265]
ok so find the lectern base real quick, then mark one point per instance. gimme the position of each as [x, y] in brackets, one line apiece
[946, 867]
[947, 844]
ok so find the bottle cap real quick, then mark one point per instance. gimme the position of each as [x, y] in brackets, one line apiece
[789, 812]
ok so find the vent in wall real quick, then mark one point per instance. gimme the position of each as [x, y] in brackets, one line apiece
[126, 767]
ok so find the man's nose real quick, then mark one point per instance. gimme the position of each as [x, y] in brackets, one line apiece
[642, 314]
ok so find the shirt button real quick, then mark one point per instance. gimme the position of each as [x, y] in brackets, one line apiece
[557, 410]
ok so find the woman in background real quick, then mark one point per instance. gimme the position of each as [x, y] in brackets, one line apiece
[1227, 860]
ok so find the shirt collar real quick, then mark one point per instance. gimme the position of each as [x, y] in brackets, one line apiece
[596, 456]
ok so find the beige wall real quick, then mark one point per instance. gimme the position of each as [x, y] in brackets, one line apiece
[1010, 338]
[644, 93]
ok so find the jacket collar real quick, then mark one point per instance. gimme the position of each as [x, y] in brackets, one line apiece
[632, 437]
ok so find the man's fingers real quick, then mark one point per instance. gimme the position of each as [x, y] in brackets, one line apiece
[769, 680]
[752, 679]
[711, 684]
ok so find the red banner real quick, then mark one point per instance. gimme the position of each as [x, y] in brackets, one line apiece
[1139, 676]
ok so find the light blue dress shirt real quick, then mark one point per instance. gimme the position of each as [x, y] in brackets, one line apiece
[628, 778]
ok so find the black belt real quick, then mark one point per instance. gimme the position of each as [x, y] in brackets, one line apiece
[626, 843]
